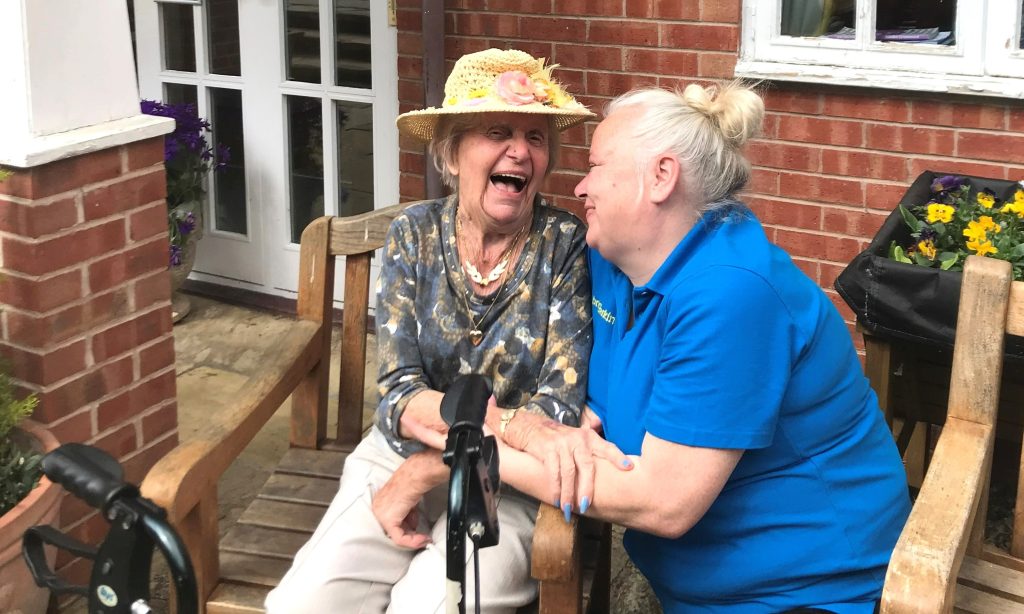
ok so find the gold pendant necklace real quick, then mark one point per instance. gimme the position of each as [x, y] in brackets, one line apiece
[476, 333]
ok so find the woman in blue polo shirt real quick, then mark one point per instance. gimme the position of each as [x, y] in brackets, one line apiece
[765, 478]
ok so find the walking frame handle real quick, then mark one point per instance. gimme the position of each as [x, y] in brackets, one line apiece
[119, 582]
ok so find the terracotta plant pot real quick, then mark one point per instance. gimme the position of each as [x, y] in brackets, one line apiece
[18, 592]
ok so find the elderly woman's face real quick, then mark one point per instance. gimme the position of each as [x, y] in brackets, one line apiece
[501, 164]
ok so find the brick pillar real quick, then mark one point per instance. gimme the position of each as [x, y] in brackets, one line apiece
[85, 307]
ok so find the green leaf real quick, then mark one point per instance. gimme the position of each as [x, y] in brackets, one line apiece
[947, 260]
[899, 256]
[922, 260]
[908, 217]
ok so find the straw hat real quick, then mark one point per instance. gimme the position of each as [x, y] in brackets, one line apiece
[498, 80]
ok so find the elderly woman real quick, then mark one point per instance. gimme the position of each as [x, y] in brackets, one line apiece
[490, 280]
[765, 477]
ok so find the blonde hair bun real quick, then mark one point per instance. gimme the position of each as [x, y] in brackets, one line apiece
[735, 109]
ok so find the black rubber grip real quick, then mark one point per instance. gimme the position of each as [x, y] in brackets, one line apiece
[88, 473]
[465, 401]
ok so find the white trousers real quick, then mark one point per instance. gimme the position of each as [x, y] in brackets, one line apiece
[350, 566]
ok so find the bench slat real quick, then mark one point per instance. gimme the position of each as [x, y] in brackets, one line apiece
[973, 601]
[314, 463]
[261, 541]
[991, 578]
[283, 515]
[232, 598]
[299, 489]
[250, 569]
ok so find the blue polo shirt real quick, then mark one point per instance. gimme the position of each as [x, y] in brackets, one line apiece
[732, 346]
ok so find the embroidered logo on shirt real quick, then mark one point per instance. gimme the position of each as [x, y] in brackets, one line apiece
[606, 315]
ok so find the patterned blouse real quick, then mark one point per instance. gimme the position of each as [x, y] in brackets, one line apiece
[537, 335]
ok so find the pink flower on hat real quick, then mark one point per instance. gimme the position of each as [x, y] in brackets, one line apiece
[515, 87]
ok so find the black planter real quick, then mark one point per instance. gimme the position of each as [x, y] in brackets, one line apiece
[906, 301]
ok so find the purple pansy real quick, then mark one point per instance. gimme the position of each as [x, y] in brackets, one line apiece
[946, 183]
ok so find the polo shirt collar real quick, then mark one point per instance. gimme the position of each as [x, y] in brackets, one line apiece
[667, 275]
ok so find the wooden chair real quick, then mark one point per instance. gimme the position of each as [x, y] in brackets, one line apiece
[944, 537]
[235, 573]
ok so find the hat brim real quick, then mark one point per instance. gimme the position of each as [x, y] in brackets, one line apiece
[421, 124]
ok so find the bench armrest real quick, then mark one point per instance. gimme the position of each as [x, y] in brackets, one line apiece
[925, 564]
[178, 480]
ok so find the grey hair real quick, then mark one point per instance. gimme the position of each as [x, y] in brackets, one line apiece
[449, 132]
[704, 127]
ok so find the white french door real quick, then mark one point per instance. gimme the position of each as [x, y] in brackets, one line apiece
[304, 92]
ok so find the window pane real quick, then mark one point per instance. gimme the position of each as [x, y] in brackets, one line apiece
[918, 22]
[818, 17]
[229, 182]
[302, 29]
[1020, 17]
[222, 20]
[355, 157]
[352, 44]
[305, 162]
[179, 37]
[178, 93]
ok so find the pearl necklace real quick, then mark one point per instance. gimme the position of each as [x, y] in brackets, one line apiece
[499, 269]
[476, 333]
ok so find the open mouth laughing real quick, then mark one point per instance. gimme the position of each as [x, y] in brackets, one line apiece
[512, 183]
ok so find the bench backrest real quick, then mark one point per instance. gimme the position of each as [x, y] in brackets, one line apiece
[948, 517]
[355, 238]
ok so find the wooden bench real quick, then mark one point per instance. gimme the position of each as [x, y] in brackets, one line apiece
[571, 561]
[941, 562]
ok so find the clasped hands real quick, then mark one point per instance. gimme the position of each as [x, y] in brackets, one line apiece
[567, 455]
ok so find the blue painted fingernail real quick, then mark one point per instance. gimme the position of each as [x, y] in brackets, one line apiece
[584, 504]
[567, 509]
[626, 463]
[558, 503]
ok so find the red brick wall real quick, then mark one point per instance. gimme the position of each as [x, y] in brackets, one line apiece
[85, 320]
[832, 162]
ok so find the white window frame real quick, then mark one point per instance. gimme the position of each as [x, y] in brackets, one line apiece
[986, 59]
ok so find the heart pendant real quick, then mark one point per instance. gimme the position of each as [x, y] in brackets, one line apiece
[476, 336]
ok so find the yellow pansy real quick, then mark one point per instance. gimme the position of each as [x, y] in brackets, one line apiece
[939, 213]
[986, 200]
[1013, 207]
[927, 248]
[975, 231]
[982, 248]
[1018, 197]
[988, 224]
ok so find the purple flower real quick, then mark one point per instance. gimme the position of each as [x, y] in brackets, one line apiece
[187, 225]
[946, 183]
[175, 255]
[928, 234]
[188, 155]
